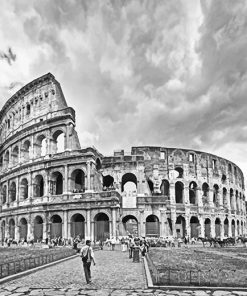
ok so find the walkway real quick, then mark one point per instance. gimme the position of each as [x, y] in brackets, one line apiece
[114, 274]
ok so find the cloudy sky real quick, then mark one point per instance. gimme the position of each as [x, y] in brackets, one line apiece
[170, 73]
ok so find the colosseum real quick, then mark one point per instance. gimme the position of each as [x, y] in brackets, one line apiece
[51, 187]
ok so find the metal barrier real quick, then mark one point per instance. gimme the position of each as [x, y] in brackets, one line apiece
[187, 277]
[14, 267]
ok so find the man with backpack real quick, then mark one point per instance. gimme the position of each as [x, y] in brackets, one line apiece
[87, 257]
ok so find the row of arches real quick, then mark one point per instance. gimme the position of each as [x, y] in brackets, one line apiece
[26, 151]
[56, 186]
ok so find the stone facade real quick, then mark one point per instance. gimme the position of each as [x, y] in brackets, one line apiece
[51, 187]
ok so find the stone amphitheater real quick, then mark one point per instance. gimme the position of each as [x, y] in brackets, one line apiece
[51, 187]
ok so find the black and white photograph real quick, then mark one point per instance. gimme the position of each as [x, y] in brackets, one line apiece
[123, 147]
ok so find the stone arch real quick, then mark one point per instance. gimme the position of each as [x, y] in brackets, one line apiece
[215, 195]
[98, 164]
[56, 183]
[101, 227]
[12, 191]
[151, 186]
[130, 224]
[226, 227]
[24, 189]
[179, 192]
[40, 145]
[12, 228]
[205, 193]
[193, 193]
[232, 198]
[108, 182]
[77, 181]
[15, 155]
[56, 226]
[58, 141]
[4, 194]
[23, 229]
[129, 182]
[77, 226]
[180, 172]
[217, 227]
[38, 228]
[238, 228]
[165, 188]
[26, 150]
[224, 194]
[152, 226]
[207, 227]
[233, 227]
[38, 186]
[6, 159]
[1, 162]
[237, 200]
[194, 226]
[180, 226]
[3, 230]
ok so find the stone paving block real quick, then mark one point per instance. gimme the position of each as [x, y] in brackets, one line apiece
[22, 290]
[5, 293]
[202, 293]
[221, 293]
[36, 292]
[240, 293]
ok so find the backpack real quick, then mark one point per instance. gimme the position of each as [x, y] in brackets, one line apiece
[84, 258]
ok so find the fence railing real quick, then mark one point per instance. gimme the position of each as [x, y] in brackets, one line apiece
[19, 265]
[188, 277]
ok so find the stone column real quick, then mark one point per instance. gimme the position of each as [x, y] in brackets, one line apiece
[88, 225]
[88, 175]
[7, 192]
[142, 225]
[172, 193]
[186, 195]
[66, 180]
[212, 228]
[202, 229]
[114, 222]
[17, 230]
[187, 225]
[65, 224]
[17, 190]
[46, 184]
[222, 228]
[211, 198]
[31, 148]
[29, 228]
[7, 228]
[230, 227]
[163, 232]
[199, 194]
[92, 231]
[173, 218]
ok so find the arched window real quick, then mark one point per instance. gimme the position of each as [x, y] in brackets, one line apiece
[4, 194]
[12, 192]
[56, 183]
[180, 172]
[131, 180]
[6, 159]
[41, 146]
[152, 226]
[28, 109]
[12, 228]
[224, 193]
[38, 186]
[108, 182]
[38, 229]
[179, 192]
[130, 225]
[58, 142]
[15, 155]
[151, 186]
[98, 164]
[56, 226]
[1, 163]
[215, 196]
[192, 192]
[24, 189]
[78, 226]
[77, 181]
[26, 150]
[165, 188]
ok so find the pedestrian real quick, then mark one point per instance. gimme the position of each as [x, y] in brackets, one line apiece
[87, 256]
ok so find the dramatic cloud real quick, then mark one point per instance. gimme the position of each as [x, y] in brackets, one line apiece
[170, 73]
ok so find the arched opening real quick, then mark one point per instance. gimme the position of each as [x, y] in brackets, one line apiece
[151, 186]
[6, 159]
[56, 183]
[232, 199]
[129, 177]
[23, 229]
[223, 178]
[238, 228]
[1, 163]
[102, 228]
[12, 228]
[56, 226]
[194, 226]
[179, 192]
[229, 168]
[224, 194]
[78, 181]
[180, 172]
[58, 142]
[78, 226]
[233, 228]
[38, 229]
[4, 194]
[152, 226]
[12, 192]
[207, 226]
[40, 146]
[205, 192]
[130, 225]
[15, 155]
[169, 226]
[237, 200]
[165, 189]
[180, 226]
[215, 195]
[108, 182]
[3, 230]
[192, 193]
[226, 227]
[24, 189]
[98, 164]
[26, 150]
[217, 227]
[28, 109]
[38, 190]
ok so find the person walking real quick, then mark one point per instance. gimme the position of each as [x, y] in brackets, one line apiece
[87, 256]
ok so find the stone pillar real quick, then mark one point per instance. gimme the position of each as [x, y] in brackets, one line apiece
[88, 225]
[173, 218]
[230, 227]
[7, 192]
[66, 180]
[202, 228]
[211, 197]
[114, 222]
[88, 175]
[46, 184]
[186, 195]
[212, 230]
[221, 228]
[17, 190]
[7, 228]
[199, 194]
[142, 225]
[65, 224]
[172, 193]
[92, 231]
[187, 225]
[163, 231]
[17, 230]
[29, 228]
[45, 225]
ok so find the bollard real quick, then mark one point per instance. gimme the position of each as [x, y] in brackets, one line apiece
[136, 254]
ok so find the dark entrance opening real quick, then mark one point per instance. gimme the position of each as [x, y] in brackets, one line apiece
[102, 228]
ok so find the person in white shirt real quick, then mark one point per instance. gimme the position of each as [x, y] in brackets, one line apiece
[87, 256]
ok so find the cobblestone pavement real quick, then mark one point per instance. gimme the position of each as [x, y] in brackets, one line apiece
[114, 275]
